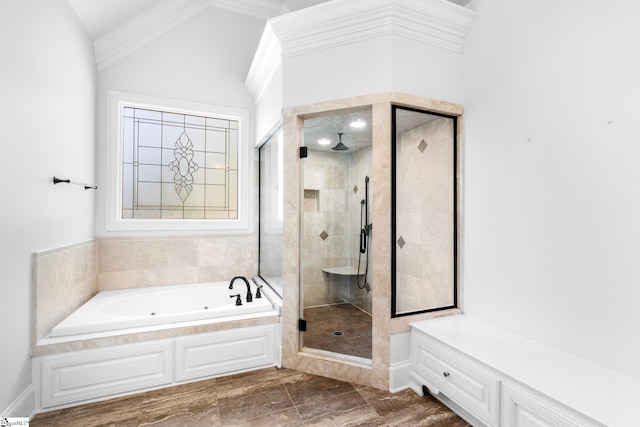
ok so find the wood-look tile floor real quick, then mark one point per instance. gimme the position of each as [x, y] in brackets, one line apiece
[267, 397]
[355, 324]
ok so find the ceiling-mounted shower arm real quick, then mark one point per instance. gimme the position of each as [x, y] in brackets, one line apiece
[340, 146]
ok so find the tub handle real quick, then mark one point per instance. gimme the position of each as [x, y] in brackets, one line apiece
[258, 294]
[237, 297]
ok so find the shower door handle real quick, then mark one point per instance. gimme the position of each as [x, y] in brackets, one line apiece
[363, 241]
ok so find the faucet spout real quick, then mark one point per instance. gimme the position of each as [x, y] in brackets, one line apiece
[244, 279]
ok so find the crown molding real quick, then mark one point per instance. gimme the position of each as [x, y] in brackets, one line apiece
[144, 28]
[267, 59]
[439, 23]
[263, 9]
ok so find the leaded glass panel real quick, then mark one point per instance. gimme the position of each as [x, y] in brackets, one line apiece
[178, 166]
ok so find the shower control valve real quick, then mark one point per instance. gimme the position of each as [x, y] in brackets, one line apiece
[237, 297]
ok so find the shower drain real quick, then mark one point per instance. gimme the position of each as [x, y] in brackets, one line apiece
[338, 333]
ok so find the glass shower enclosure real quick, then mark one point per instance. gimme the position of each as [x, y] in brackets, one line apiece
[336, 228]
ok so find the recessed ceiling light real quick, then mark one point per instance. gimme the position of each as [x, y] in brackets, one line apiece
[324, 141]
[358, 124]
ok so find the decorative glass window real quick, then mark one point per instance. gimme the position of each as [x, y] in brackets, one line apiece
[178, 166]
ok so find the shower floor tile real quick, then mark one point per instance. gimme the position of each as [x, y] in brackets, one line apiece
[355, 325]
[267, 397]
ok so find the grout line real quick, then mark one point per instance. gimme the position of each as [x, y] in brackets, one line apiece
[291, 399]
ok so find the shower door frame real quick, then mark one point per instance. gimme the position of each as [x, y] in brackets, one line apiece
[341, 288]
[394, 183]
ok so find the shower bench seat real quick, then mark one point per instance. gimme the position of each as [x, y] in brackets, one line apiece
[343, 271]
[493, 377]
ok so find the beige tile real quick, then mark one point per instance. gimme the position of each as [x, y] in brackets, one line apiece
[64, 280]
[307, 388]
[253, 401]
[265, 397]
[286, 418]
[117, 412]
[245, 382]
[345, 409]
[115, 255]
[194, 404]
[182, 253]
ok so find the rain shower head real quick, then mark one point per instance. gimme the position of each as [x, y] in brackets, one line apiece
[340, 146]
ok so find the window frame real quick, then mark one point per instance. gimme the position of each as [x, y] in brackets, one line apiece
[117, 101]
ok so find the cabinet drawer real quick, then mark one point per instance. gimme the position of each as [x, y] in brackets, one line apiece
[456, 376]
[525, 408]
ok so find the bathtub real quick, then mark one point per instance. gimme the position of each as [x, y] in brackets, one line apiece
[140, 307]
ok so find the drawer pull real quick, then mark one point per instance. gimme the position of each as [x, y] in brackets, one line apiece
[446, 374]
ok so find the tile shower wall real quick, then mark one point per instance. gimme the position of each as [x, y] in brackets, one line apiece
[141, 262]
[63, 280]
[325, 227]
[360, 168]
[424, 252]
[333, 188]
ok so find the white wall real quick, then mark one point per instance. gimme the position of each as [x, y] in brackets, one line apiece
[47, 105]
[369, 66]
[434, 73]
[203, 60]
[552, 169]
[354, 69]
[410, 46]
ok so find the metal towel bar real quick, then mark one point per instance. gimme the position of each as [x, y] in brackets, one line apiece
[68, 181]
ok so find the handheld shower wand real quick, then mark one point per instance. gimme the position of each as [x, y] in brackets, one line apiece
[363, 231]
[365, 235]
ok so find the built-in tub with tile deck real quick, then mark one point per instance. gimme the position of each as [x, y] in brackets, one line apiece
[128, 341]
[130, 308]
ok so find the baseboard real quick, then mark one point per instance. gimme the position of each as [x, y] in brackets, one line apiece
[23, 406]
[399, 378]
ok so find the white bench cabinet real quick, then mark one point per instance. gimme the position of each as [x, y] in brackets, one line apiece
[496, 378]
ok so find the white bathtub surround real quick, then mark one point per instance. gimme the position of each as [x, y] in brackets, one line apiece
[493, 377]
[268, 311]
[69, 370]
[129, 308]
[65, 278]
[73, 378]
[88, 366]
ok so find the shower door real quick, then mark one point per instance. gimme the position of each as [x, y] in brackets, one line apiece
[336, 233]
[423, 197]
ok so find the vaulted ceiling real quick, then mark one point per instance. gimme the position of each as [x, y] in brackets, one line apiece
[100, 17]
[118, 27]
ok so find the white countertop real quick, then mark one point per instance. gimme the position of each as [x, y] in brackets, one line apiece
[599, 393]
